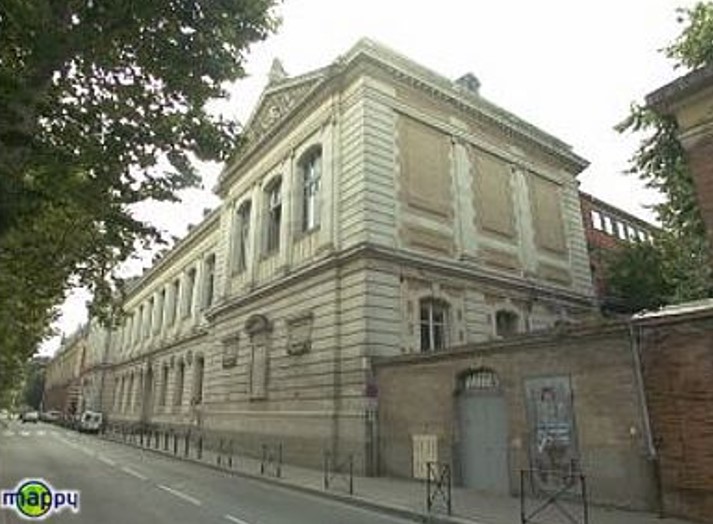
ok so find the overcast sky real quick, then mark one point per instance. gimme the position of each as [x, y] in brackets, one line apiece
[571, 67]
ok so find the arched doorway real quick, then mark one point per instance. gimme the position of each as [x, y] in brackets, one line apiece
[482, 422]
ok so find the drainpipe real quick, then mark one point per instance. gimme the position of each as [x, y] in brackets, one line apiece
[634, 337]
[641, 393]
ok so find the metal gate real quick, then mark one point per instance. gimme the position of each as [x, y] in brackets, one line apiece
[482, 417]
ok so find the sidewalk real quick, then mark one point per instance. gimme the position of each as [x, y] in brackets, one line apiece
[402, 497]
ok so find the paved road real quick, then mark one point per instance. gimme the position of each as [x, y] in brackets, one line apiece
[119, 485]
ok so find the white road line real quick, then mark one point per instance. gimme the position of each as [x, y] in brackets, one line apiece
[181, 495]
[234, 519]
[106, 461]
[24, 433]
[40, 433]
[133, 473]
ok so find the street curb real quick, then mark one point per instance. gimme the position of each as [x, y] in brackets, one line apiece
[398, 511]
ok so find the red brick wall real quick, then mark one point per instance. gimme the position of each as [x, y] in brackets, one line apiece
[677, 362]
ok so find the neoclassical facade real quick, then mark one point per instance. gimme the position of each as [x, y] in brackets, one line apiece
[374, 209]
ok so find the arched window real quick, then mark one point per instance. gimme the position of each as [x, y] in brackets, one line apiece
[310, 166]
[506, 323]
[434, 324]
[273, 216]
[242, 234]
[481, 379]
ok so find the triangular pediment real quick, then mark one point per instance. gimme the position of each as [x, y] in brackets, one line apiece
[276, 102]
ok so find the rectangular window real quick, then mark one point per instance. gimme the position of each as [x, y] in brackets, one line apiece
[160, 305]
[241, 238]
[164, 386]
[597, 220]
[188, 292]
[620, 230]
[149, 316]
[209, 282]
[311, 169]
[273, 217]
[434, 328]
[175, 297]
[608, 225]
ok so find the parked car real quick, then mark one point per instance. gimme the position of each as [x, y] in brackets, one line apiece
[50, 416]
[91, 422]
[30, 416]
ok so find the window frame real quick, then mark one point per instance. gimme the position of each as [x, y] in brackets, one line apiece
[431, 303]
[310, 169]
[273, 208]
[242, 236]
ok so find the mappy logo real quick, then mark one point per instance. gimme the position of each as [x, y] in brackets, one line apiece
[34, 499]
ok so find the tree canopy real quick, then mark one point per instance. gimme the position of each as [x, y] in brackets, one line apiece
[679, 255]
[93, 95]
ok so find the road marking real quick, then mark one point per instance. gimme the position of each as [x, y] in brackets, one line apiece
[181, 495]
[234, 519]
[133, 473]
[40, 433]
[24, 433]
[106, 461]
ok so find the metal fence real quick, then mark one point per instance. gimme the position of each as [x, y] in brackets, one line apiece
[546, 495]
[338, 473]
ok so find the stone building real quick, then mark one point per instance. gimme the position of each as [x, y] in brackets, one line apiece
[375, 209]
[62, 375]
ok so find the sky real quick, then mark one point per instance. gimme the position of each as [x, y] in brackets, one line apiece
[571, 67]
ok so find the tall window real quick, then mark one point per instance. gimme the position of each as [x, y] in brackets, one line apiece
[178, 386]
[164, 386]
[242, 235]
[209, 281]
[189, 289]
[160, 305]
[434, 324]
[175, 296]
[198, 380]
[149, 316]
[506, 323]
[273, 216]
[137, 324]
[311, 168]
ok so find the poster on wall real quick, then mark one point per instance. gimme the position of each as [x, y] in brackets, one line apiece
[552, 431]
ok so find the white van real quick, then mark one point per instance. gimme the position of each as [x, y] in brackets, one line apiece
[91, 422]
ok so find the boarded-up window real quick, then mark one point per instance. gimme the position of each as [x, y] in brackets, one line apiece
[258, 371]
[425, 166]
[493, 194]
[299, 335]
[547, 214]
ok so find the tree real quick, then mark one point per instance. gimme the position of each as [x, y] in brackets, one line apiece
[680, 250]
[93, 95]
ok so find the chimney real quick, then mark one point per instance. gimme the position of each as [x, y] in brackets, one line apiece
[469, 83]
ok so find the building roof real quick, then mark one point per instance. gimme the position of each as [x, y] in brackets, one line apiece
[665, 97]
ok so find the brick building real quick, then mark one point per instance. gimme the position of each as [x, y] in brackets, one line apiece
[606, 227]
